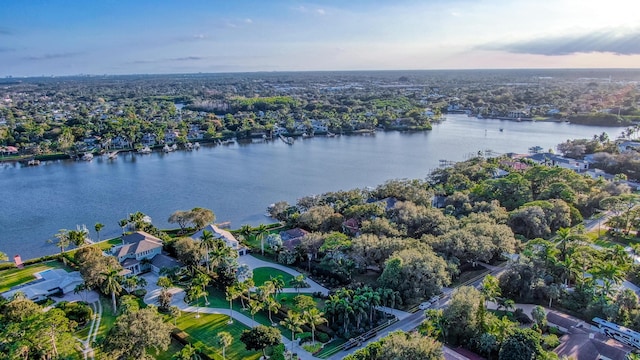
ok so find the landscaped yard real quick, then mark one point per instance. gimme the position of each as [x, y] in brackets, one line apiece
[329, 348]
[13, 277]
[203, 330]
[262, 274]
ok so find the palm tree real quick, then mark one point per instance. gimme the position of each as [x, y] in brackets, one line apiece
[373, 299]
[78, 237]
[202, 280]
[175, 313]
[278, 284]
[231, 294]
[254, 307]
[292, 322]
[98, 227]
[123, 224]
[490, 288]
[332, 306]
[564, 236]
[245, 287]
[63, 241]
[346, 309]
[260, 231]
[111, 285]
[245, 231]
[298, 282]
[313, 317]
[359, 305]
[272, 306]
[188, 352]
[207, 241]
[619, 255]
[224, 339]
[131, 283]
[81, 289]
[194, 293]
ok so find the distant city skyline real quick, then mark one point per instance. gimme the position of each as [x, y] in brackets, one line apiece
[58, 37]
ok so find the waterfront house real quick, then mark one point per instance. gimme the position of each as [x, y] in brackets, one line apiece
[550, 159]
[137, 249]
[627, 146]
[223, 235]
[292, 238]
[148, 139]
[48, 282]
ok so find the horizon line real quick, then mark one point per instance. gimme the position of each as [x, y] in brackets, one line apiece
[314, 71]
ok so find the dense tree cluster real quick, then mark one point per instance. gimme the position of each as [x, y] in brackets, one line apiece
[27, 331]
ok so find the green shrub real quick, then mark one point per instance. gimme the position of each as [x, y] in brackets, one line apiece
[278, 352]
[79, 312]
[322, 337]
[9, 265]
[140, 293]
[550, 342]
[555, 331]
[304, 337]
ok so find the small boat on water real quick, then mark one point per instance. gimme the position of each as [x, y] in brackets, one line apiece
[174, 147]
[145, 150]
[33, 162]
[228, 142]
[196, 145]
[188, 146]
[87, 156]
[112, 155]
[330, 134]
[167, 148]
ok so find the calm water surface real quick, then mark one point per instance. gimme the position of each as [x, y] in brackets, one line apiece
[237, 181]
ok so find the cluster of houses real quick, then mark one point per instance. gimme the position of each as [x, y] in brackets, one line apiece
[138, 252]
[580, 166]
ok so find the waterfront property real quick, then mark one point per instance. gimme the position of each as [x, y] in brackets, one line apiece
[134, 249]
[223, 235]
[47, 283]
[292, 237]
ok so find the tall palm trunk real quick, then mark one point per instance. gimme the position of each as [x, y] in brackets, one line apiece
[113, 302]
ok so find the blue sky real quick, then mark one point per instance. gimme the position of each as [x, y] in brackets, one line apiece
[64, 37]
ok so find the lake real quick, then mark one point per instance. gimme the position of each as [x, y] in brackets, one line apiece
[239, 181]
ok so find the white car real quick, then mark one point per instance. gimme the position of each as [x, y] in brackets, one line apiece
[427, 304]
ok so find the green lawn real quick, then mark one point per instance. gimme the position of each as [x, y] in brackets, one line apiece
[108, 318]
[263, 274]
[217, 300]
[203, 330]
[289, 300]
[13, 277]
[174, 348]
[329, 348]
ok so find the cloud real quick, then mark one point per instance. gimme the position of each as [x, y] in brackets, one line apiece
[305, 10]
[603, 41]
[165, 60]
[248, 21]
[188, 58]
[54, 56]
